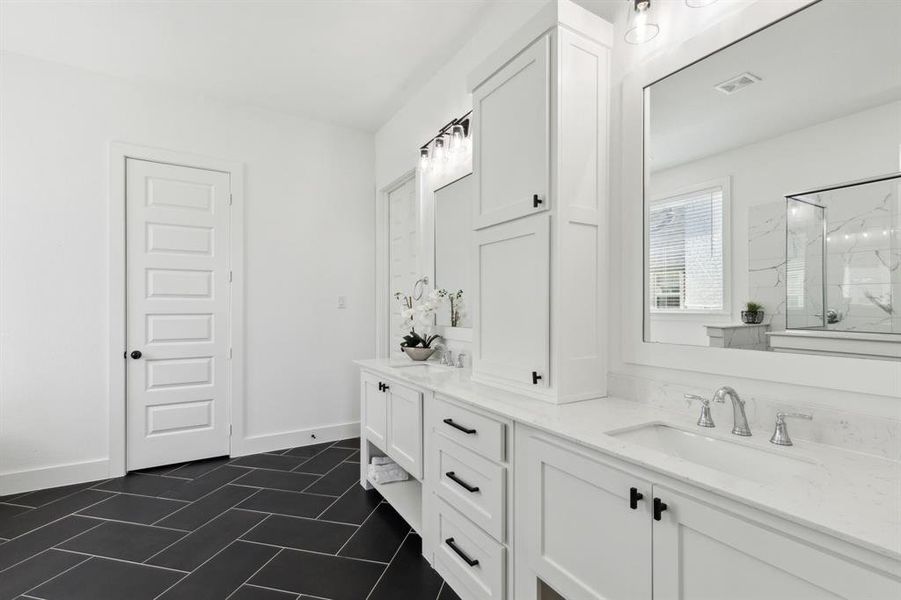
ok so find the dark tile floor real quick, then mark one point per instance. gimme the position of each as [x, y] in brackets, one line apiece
[285, 525]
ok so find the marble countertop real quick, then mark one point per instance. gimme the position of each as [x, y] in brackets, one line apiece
[852, 496]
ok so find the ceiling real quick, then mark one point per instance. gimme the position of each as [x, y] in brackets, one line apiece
[832, 59]
[351, 62]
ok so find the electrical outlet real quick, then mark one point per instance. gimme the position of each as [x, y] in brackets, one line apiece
[342, 301]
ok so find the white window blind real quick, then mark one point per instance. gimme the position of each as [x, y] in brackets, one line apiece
[686, 252]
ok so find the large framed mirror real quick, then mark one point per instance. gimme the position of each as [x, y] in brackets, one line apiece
[453, 236]
[772, 189]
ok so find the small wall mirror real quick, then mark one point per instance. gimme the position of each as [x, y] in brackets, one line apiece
[772, 204]
[453, 236]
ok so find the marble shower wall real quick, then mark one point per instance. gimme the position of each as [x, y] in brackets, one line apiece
[766, 261]
[863, 254]
[862, 259]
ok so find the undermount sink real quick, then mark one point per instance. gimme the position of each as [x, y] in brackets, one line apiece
[739, 459]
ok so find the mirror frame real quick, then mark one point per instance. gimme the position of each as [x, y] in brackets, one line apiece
[865, 376]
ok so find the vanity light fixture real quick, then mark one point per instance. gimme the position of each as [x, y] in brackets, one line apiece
[698, 3]
[451, 143]
[641, 31]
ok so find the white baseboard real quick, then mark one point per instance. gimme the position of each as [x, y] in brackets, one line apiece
[48, 477]
[292, 439]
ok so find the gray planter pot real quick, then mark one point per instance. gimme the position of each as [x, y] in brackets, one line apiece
[419, 353]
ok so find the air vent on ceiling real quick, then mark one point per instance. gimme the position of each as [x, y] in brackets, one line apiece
[739, 82]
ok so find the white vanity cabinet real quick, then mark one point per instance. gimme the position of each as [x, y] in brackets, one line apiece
[540, 128]
[373, 410]
[512, 308]
[391, 415]
[703, 552]
[577, 531]
[511, 162]
[468, 509]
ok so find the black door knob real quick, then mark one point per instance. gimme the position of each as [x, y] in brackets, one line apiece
[136, 354]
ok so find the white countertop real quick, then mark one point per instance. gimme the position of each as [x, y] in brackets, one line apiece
[852, 496]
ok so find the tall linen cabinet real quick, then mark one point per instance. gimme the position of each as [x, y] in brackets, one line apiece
[540, 162]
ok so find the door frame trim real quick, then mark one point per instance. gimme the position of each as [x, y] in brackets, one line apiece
[119, 152]
[382, 256]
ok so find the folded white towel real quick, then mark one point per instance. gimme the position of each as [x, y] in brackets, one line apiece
[382, 460]
[389, 475]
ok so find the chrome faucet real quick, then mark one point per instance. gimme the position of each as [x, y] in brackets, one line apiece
[780, 435]
[705, 420]
[740, 424]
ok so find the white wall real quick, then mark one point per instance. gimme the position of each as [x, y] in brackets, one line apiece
[308, 238]
[445, 95]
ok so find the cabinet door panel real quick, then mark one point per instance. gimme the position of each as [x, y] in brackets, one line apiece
[703, 553]
[512, 138]
[405, 428]
[578, 531]
[374, 411]
[512, 313]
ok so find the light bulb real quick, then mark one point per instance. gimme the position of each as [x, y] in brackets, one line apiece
[440, 154]
[456, 139]
[424, 158]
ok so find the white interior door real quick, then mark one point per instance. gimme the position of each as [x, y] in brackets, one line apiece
[178, 329]
[403, 240]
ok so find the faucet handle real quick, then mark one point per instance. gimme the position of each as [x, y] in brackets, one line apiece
[781, 416]
[780, 434]
[705, 420]
[700, 399]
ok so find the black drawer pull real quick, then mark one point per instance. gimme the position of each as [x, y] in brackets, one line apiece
[381, 387]
[634, 497]
[469, 488]
[659, 507]
[465, 430]
[460, 553]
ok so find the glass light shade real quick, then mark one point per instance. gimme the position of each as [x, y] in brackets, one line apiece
[424, 158]
[641, 30]
[456, 139]
[439, 153]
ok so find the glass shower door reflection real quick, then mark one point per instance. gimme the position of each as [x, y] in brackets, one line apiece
[805, 266]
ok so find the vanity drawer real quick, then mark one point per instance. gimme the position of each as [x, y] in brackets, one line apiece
[469, 429]
[467, 557]
[472, 484]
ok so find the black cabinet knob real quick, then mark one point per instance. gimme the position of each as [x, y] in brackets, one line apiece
[535, 377]
[634, 497]
[136, 354]
[659, 507]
